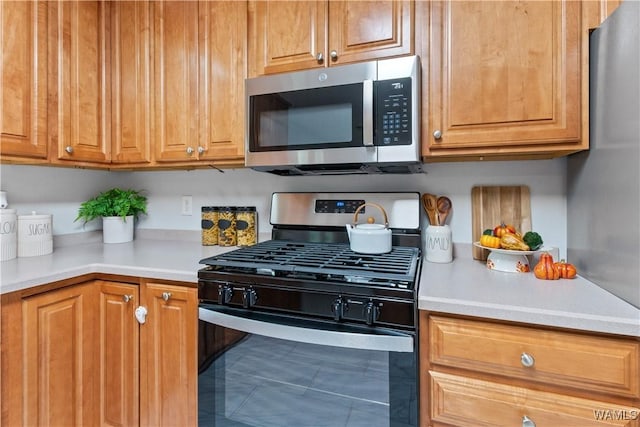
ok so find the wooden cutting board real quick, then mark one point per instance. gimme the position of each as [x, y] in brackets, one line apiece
[492, 205]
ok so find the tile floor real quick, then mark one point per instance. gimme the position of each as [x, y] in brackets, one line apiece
[266, 382]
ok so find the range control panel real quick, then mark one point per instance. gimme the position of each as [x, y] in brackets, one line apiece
[338, 206]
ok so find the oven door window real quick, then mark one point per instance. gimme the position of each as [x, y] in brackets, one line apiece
[251, 379]
[328, 117]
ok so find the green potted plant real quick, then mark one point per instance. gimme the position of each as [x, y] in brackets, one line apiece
[118, 209]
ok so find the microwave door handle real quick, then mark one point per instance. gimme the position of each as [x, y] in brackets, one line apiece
[367, 113]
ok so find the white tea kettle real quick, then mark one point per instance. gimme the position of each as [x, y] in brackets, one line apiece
[369, 238]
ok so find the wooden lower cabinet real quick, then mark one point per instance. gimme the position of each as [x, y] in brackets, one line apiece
[59, 357]
[169, 356]
[484, 373]
[75, 355]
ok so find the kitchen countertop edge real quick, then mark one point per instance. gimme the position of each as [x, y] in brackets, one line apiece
[464, 287]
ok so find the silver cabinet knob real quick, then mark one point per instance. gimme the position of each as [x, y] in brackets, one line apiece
[69, 149]
[334, 55]
[527, 422]
[437, 134]
[527, 360]
[189, 150]
[201, 150]
[166, 296]
[320, 57]
[127, 298]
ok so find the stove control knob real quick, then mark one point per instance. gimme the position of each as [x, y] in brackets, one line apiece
[224, 294]
[249, 298]
[339, 307]
[371, 312]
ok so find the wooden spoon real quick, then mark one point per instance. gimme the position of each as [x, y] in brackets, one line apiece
[429, 202]
[444, 207]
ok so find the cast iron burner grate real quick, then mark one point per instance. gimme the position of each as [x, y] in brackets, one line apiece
[277, 257]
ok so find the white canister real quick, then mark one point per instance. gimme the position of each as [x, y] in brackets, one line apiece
[35, 236]
[8, 234]
[438, 244]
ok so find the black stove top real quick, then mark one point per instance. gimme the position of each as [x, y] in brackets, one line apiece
[321, 261]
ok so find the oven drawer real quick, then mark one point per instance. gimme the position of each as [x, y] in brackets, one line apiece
[599, 364]
[463, 401]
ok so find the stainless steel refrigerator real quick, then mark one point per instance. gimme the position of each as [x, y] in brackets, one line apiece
[603, 184]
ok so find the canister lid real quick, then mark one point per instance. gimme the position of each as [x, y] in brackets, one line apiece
[210, 208]
[34, 216]
[246, 208]
[8, 211]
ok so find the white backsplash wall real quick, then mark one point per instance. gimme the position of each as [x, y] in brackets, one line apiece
[60, 191]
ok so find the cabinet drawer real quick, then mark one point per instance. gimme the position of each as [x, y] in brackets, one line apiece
[598, 364]
[469, 402]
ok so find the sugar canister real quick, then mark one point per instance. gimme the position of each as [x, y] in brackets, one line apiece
[35, 235]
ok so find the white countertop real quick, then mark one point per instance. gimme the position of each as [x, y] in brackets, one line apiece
[468, 287]
[464, 287]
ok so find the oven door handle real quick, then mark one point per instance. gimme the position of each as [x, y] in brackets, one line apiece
[396, 342]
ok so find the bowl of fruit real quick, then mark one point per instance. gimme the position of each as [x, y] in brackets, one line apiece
[508, 248]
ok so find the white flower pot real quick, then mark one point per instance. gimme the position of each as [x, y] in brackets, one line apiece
[117, 230]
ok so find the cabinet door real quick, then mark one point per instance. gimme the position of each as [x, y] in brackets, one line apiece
[176, 91]
[23, 79]
[504, 77]
[287, 35]
[131, 82]
[168, 342]
[119, 354]
[59, 330]
[366, 30]
[80, 110]
[222, 52]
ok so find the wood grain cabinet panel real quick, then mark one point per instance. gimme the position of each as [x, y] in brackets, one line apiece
[560, 358]
[131, 82]
[23, 80]
[289, 36]
[59, 333]
[119, 354]
[503, 78]
[466, 402]
[80, 115]
[168, 392]
[222, 28]
[175, 44]
[477, 372]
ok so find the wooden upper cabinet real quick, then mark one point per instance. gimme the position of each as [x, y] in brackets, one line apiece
[131, 82]
[79, 116]
[222, 54]
[175, 44]
[23, 79]
[364, 30]
[289, 36]
[502, 78]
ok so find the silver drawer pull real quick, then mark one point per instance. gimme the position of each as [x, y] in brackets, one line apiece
[527, 422]
[527, 360]
[166, 296]
[127, 298]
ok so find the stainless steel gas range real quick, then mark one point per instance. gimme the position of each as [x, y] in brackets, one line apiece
[300, 330]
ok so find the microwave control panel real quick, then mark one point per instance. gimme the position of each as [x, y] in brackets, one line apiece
[393, 112]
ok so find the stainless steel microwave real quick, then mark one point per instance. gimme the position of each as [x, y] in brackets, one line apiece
[352, 119]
